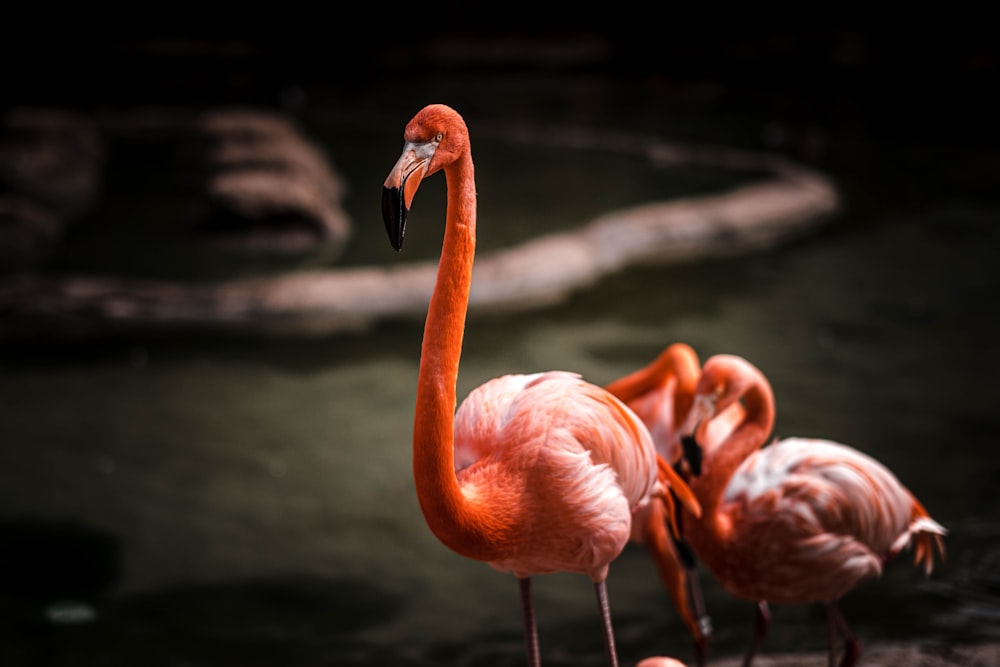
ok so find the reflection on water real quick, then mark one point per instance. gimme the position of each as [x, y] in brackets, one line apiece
[257, 497]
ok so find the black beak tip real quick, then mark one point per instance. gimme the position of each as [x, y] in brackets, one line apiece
[394, 216]
[693, 454]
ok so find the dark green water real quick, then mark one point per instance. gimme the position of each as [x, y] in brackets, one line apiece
[230, 501]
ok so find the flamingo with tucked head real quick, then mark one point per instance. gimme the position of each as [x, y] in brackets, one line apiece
[534, 473]
[799, 521]
[661, 394]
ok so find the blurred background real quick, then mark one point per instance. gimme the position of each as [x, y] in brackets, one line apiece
[174, 494]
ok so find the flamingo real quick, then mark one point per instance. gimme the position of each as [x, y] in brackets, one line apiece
[800, 521]
[659, 661]
[534, 473]
[661, 395]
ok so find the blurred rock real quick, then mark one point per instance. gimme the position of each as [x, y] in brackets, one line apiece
[52, 156]
[264, 186]
[536, 272]
[245, 180]
[51, 162]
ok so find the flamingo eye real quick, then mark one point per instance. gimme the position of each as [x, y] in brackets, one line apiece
[439, 136]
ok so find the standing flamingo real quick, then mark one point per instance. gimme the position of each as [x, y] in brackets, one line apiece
[799, 521]
[661, 395]
[533, 474]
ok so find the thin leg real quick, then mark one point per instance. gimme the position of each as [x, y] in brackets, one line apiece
[693, 588]
[609, 633]
[530, 627]
[763, 623]
[704, 622]
[675, 563]
[697, 602]
[852, 647]
[686, 555]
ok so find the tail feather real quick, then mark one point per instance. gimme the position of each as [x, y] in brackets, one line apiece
[925, 535]
[928, 537]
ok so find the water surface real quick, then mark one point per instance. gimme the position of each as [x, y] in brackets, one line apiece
[226, 500]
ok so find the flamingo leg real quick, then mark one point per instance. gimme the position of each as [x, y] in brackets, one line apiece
[762, 625]
[609, 633]
[693, 587]
[668, 556]
[852, 647]
[703, 624]
[530, 627]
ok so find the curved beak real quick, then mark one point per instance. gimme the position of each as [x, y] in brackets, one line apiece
[692, 453]
[400, 186]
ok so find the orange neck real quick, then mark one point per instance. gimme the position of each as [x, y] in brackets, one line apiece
[678, 361]
[748, 436]
[449, 514]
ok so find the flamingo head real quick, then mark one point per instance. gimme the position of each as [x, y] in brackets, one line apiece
[435, 138]
[724, 379]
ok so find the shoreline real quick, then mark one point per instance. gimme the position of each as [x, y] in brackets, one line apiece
[978, 654]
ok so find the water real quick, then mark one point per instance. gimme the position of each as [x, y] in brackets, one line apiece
[224, 500]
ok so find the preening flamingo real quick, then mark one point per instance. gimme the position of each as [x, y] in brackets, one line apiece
[534, 473]
[661, 395]
[799, 521]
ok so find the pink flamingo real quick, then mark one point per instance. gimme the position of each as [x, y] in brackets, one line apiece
[799, 521]
[533, 474]
[661, 395]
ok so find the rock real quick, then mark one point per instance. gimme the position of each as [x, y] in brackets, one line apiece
[51, 163]
[265, 186]
[52, 156]
[536, 272]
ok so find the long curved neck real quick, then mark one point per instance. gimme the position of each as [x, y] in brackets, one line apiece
[655, 375]
[672, 363]
[450, 516]
[748, 436]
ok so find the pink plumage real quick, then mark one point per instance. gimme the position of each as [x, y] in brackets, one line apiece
[567, 456]
[535, 473]
[801, 520]
[814, 519]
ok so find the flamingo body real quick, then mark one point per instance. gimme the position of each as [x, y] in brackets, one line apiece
[568, 459]
[661, 395]
[806, 520]
[801, 520]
